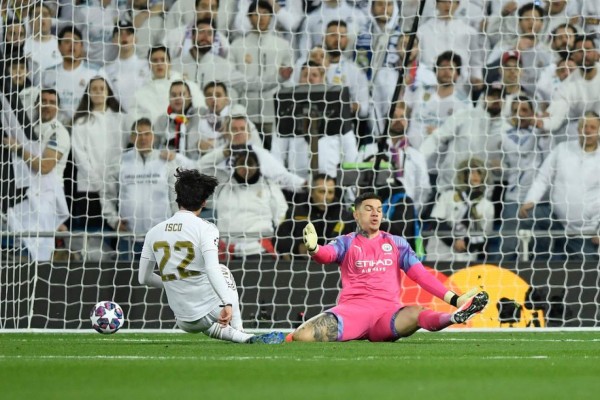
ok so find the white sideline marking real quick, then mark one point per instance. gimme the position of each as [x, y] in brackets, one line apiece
[254, 358]
[441, 338]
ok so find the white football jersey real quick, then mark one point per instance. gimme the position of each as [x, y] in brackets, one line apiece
[178, 245]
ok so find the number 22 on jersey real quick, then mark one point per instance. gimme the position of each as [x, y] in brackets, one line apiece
[179, 246]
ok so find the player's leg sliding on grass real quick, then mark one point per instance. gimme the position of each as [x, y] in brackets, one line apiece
[369, 306]
[200, 291]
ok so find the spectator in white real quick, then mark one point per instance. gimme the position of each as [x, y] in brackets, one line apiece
[98, 141]
[149, 23]
[524, 149]
[570, 175]
[529, 42]
[561, 12]
[372, 44]
[128, 72]
[475, 132]
[152, 98]
[562, 39]
[577, 94]
[249, 209]
[510, 78]
[200, 65]
[431, 106]
[551, 80]
[42, 46]
[315, 24]
[287, 16]
[416, 76]
[71, 77]
[218, 162]
[265, 60]
[464, 214]
[96, 20]
[505, 25]
[211, 123]
[219, 107]
[177, 127]
[342, 71]
[293, 150]
[181, 39]
[45, 208]
[448, 33]
[139, 191]
[589, 13]
[28, 93]
[409, 165]
[181, 13]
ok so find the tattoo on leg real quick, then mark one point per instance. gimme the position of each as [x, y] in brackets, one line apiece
[325, 328]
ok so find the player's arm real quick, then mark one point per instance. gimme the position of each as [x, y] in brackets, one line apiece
[416, 271]
[210, 253]
[430, 283]
[146, 275]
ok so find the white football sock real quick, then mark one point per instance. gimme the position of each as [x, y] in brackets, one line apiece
[217, 331]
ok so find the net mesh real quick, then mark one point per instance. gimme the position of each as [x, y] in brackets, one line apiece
[475, 121]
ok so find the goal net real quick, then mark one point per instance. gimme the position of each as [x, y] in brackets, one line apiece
[476, 122]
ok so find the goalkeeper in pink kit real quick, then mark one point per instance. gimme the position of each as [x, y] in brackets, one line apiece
[369, 303]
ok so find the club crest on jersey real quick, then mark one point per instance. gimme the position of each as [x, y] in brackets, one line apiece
[217, 241]
[386, 247]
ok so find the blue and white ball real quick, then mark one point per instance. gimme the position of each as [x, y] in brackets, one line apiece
[107, 317]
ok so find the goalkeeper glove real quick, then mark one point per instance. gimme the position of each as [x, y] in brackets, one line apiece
[465, 297]
[455, 300]
[309, 235]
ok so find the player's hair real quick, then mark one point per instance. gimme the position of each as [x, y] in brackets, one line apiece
[193, 188]
[214, 84]
[366, 196]
[451, 57]
[159, 48]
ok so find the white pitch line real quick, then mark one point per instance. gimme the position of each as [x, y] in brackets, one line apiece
[257, 358]
[116, 338]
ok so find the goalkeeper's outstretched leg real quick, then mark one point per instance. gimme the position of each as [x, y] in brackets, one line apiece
[353, 322]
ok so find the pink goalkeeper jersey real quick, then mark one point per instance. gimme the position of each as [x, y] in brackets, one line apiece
[370, 268]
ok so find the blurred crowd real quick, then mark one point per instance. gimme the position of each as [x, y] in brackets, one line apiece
[493, 131]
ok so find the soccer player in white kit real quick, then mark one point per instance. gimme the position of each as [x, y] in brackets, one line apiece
[200, 292]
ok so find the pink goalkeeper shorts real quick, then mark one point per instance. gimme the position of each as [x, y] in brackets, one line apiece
[364, 321]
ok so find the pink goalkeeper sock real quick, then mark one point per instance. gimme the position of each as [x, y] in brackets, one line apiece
[434, 321]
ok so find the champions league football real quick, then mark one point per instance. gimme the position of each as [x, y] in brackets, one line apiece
[107, 317]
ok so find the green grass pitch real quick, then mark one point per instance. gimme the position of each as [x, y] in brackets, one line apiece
[513, 365]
